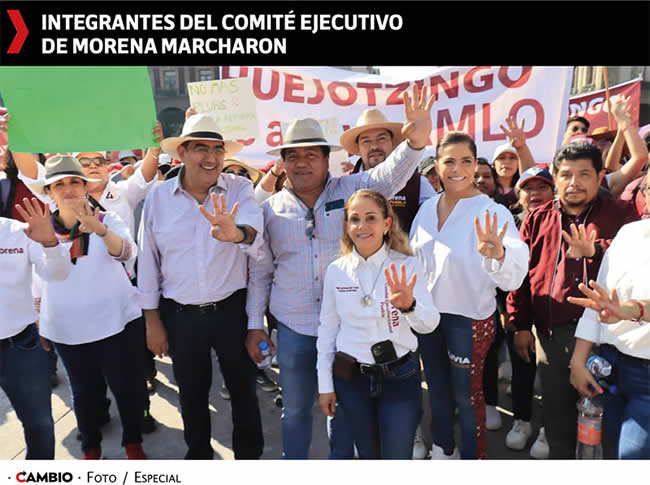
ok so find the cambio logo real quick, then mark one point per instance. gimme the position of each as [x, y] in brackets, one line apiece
[44, 477]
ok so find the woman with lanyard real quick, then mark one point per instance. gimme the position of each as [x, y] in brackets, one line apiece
[617, 317]
[366, 348]
[93, 316]
[464, 262]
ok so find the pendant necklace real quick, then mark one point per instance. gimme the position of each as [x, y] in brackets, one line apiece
[367, 300]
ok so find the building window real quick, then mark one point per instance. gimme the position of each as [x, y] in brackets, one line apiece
[206, 75]
[170, 81]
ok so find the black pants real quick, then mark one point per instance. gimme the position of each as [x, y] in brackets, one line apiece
[523, 381]
[191, 336]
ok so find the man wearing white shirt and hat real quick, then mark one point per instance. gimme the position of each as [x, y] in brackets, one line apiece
[303, 224]
[198, 230]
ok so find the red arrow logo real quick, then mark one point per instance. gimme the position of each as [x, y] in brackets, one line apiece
[21, 31]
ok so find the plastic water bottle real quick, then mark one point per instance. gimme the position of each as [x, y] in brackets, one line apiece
[590, 420]
[266, 352]
[598, 366]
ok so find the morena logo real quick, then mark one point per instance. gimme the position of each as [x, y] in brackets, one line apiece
[44, 477]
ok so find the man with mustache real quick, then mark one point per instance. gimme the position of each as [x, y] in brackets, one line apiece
[567, 238]
[374, 138]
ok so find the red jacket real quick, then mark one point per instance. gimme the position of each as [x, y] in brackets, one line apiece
[552, 277]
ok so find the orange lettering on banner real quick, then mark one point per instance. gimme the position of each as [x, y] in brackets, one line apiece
[487, 80]
[445, 121]
[352, 93]
[451, 91]
[394, 97]
[291, 84]
[487, 136]
[257, 84]
[274, 138]
[320, 93]
[514, 83]
[539, 115]
[370, 92]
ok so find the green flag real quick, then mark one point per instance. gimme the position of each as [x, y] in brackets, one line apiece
[78, 109]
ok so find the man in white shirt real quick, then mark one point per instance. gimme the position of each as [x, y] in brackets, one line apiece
[192, 282]
[24, 365]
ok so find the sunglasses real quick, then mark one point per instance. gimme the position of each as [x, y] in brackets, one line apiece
[241, 173]
[86, 162]
[583, 129]
[311, 224]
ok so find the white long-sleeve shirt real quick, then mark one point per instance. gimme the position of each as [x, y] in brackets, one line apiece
[625, 268]
[97, 299]
[120, 197]
[18, 255]
[179, 259]
[460, 279]
[348, 326]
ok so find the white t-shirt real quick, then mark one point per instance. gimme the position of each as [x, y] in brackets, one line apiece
[460, 279]
[18, 254]
[348, 326]
[626, 268]
[97, 299]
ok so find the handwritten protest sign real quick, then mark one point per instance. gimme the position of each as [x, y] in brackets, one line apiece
[74, 109]
[231, 102]
[332, 130]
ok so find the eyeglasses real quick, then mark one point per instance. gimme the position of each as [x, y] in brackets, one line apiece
[86, 162]
[311, 224]
[204, 150]
[241, 173]
[575, 129]
[645, 188]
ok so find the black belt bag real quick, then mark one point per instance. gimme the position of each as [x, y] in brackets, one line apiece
[347, 367]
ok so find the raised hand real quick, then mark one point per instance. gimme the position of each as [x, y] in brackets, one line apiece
[609, 309]
[581, 244]
[515, 133]
[89, 219]
[490, 242]
[621, 109]
[191, 111]
[39, 226]
[223, 222]
[417, 114]
[347, 166]
[401, 292]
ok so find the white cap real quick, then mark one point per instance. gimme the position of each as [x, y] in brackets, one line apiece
[124, 154]
[506, 147]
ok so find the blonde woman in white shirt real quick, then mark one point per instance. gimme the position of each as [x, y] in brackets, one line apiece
[93, 316]
[366, 360]
[465, 256]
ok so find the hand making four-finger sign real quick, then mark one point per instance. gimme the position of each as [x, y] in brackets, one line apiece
[401, 292]
[490, 241]
[39, 226]
[417, 117]
[89, 219]
[609, 308]
[223, 222]
[581, 244]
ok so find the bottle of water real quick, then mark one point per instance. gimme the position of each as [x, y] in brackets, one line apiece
[598, 366]
[266, 352]
[590, 420]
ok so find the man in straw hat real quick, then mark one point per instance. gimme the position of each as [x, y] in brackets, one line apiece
[303, 225]
[373, 139]
[197, 231]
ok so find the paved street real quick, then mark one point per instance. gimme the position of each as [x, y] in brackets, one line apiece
[167, 441]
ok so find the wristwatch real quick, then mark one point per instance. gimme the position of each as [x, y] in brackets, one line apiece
[242, 228]
[409, 309]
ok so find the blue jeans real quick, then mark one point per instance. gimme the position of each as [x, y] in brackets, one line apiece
[25, 378]
[626, 418]
[453, 356]
[383, 427]
[118, 358]
[299, 381]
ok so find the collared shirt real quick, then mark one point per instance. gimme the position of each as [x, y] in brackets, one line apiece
[18, 254]
[97, 299]
[460, 279]
[288, 274]
[120, 197]
[625, 268]
[179, 259]
[348, 326]
[552, 276]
